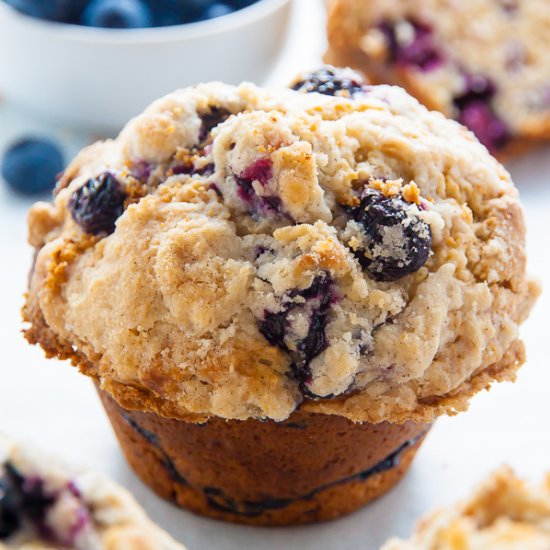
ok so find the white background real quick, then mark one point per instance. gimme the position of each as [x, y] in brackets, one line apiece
[51, 404]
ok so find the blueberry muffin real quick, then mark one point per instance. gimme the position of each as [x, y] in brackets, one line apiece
[45, 505]
[482, 62]
[319, 272]
[503, 514]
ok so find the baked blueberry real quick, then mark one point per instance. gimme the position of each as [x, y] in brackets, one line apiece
[331, 81]
[10, 507]
[97, 205]
[210, 120]
[258, 205]
[476, 112]
[283, 328]
[395, 242]
[31, 165]
[261, 171]
[117, 14]
[35, 500]
[411, 42]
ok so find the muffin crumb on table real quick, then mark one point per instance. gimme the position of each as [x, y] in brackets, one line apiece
[45, 504]
[504, 513]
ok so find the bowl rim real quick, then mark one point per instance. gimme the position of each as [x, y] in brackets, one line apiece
[243, 17]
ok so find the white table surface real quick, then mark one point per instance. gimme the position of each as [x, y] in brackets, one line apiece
[51, 404]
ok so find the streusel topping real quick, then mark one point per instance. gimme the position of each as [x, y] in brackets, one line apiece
[240, 252]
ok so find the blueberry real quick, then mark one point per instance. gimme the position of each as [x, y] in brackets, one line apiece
[117, 14]
[273, 327]
[240, 4]
[10, 508]
[31, 165]
[331, 81]
[177, 12]
[277, 326]
[257, 205]
[476, 88]
[97, 205]
[53, 10]
[396, 241]
[489, 129]
[217, 9]
[476, 112]
[417, 49]
[22, 498]
[261, 171]
[35, 500]
[319, 298]
[211, 119]
[168, 12]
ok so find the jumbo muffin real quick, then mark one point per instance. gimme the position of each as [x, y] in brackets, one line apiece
[277, 291]
[47, 505]
[483, 62]
[505, 513]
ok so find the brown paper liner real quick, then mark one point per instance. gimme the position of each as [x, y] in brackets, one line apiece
[311, 467]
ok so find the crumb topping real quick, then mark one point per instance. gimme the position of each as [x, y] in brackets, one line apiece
[242, 252]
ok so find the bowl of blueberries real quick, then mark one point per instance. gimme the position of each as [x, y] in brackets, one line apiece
[93, 64]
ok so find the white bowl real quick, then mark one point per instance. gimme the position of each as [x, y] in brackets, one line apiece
[97, 79]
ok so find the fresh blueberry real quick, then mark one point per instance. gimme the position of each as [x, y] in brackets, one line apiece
[53, 10]
[217, 9]
[313, 303]
[240, 4]
[331, 81]
[117, 14]
[476, 112]
[31, 165]
[97, 205]
[177, 12]
[418, 49]
[10, 508]
[397, 242]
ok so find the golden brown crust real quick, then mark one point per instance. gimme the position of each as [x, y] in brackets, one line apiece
[305, 469]
[429, 409]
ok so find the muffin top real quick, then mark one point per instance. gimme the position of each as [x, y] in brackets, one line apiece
[240, 252]
[45, 505]
[504, 514]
